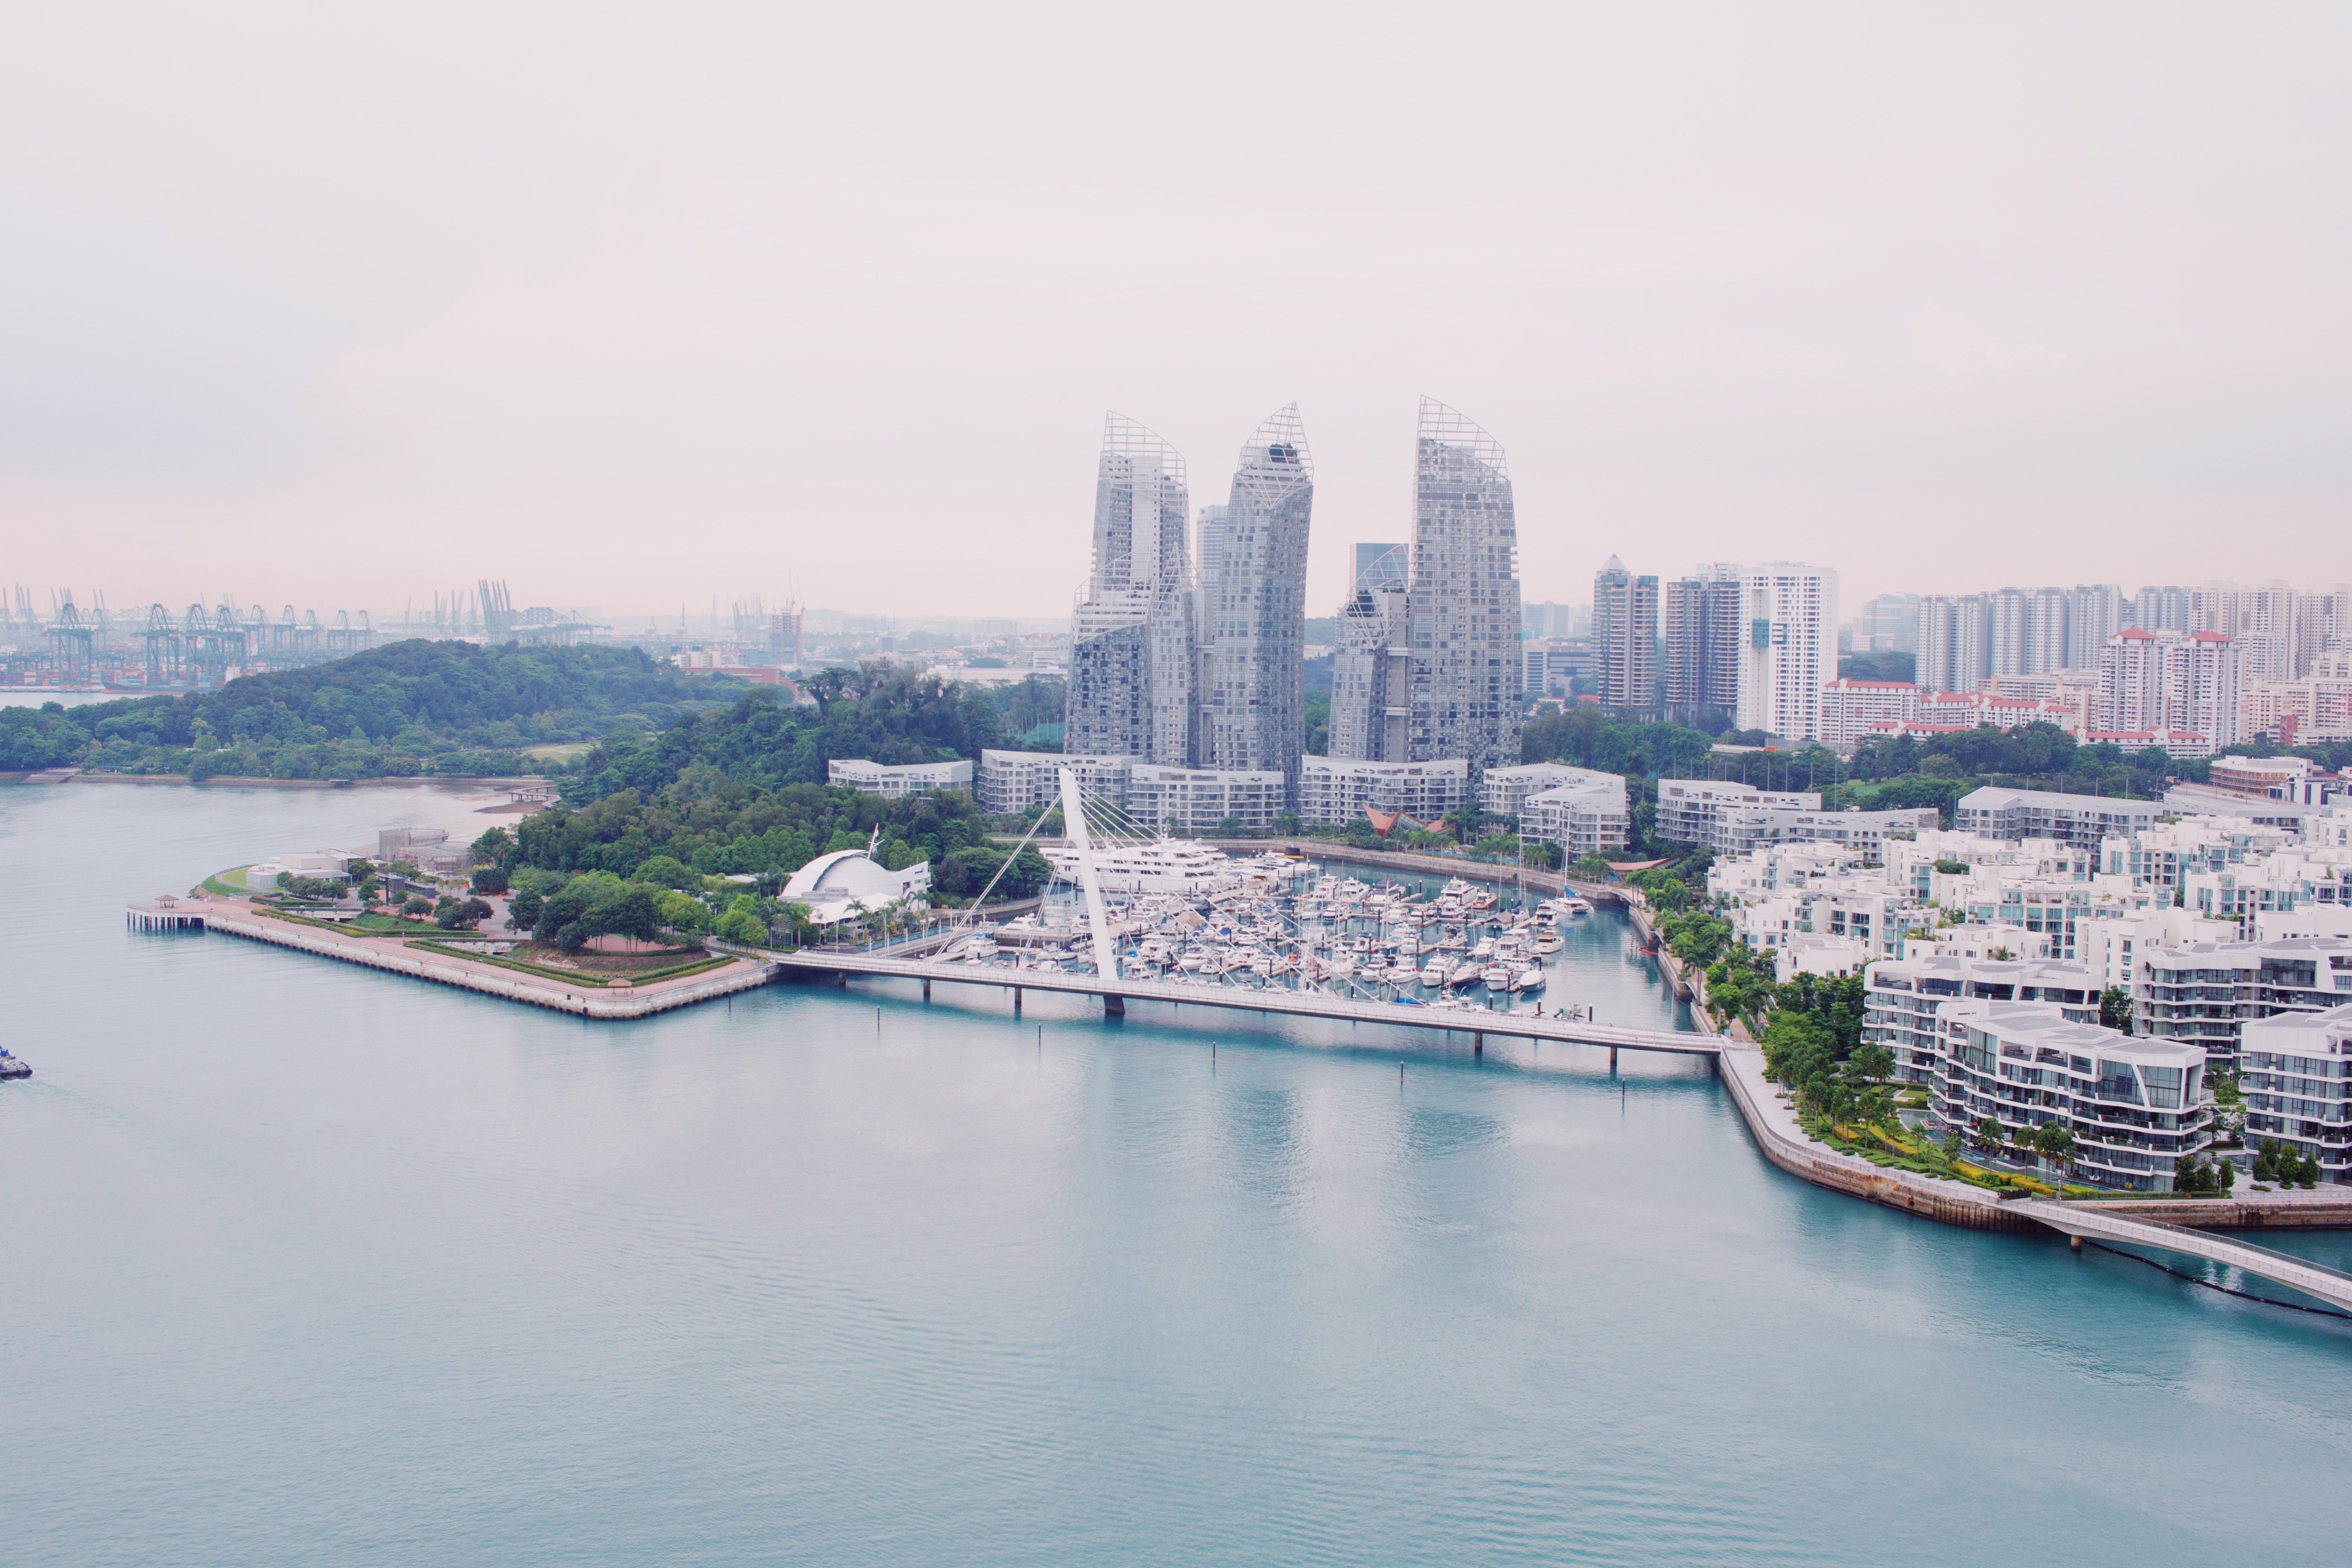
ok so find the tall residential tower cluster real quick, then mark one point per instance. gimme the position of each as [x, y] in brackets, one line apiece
[1195, 669]
[1196, 659]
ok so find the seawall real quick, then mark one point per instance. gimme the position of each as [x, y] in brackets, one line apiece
[1774, 1127]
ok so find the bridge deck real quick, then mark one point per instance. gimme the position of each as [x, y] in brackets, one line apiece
[1303, 1004]
[2333, 1286]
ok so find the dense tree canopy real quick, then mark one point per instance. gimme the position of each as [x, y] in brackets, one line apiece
[706, 824]
[877, 711]
[412, 708]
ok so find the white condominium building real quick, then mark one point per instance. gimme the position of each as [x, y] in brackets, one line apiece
[899, 779]
[2083, 819]
[2297, 1076]
[1507, 789]
[2205, 993]
[2134, 1106]
[1193, 801]
[1790, 649]
[1012, 782]
[1689, 809]
[1584, 815]
[1338, 789]
[1900, 997]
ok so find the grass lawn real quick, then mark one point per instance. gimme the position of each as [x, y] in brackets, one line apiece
[563, 752]
[593, 969]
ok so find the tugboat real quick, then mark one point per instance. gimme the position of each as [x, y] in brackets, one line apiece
[12, 1065]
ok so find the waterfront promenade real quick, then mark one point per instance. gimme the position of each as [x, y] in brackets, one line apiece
[395, 955]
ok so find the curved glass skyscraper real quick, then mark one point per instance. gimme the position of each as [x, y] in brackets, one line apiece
[1254, 694]
[1131, 629]
[1465, 599]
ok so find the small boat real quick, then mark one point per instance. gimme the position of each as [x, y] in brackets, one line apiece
[1433, 974]
[1465, 974]
[12, 1065]
[1496, 976]
[1549, 942]
[1527, 978]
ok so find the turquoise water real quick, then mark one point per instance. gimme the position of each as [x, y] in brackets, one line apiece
[306, 1264]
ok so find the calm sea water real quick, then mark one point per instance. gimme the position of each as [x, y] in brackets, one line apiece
[306, 1265]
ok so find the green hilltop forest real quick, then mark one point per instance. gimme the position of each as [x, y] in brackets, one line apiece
[408, 710]
[740, 790]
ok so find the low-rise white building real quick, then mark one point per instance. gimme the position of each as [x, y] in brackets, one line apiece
[1690, 811]
[2080, 819]
[1013, 784]
[1338, 789]
[896, 781]
[1824, 955]
[1505, 790]
[1195, 801]
[2296, 1073]
[1988, 942]
[1582, 810]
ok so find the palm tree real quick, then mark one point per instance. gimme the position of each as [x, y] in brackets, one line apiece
[2054, 1143]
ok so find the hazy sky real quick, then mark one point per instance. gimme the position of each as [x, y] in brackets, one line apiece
[635, 306]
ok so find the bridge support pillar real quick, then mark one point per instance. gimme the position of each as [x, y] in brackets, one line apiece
[1113, 1006]
[926, 990]
[1478, 1045]
[1016, 1001]
[2074, 1243]
[1612, 1061]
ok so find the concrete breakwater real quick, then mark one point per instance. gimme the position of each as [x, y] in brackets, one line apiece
[587, 1002]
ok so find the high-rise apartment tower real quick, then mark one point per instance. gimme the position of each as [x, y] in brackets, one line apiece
[1253, 695]
[1465, 597]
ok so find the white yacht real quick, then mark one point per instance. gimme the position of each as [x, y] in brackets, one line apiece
[1162, 865]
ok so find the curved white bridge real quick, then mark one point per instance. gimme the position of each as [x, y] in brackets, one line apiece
[2333, 1286]
[1477, 1022]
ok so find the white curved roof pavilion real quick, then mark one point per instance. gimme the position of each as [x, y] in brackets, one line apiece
[841, 885]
